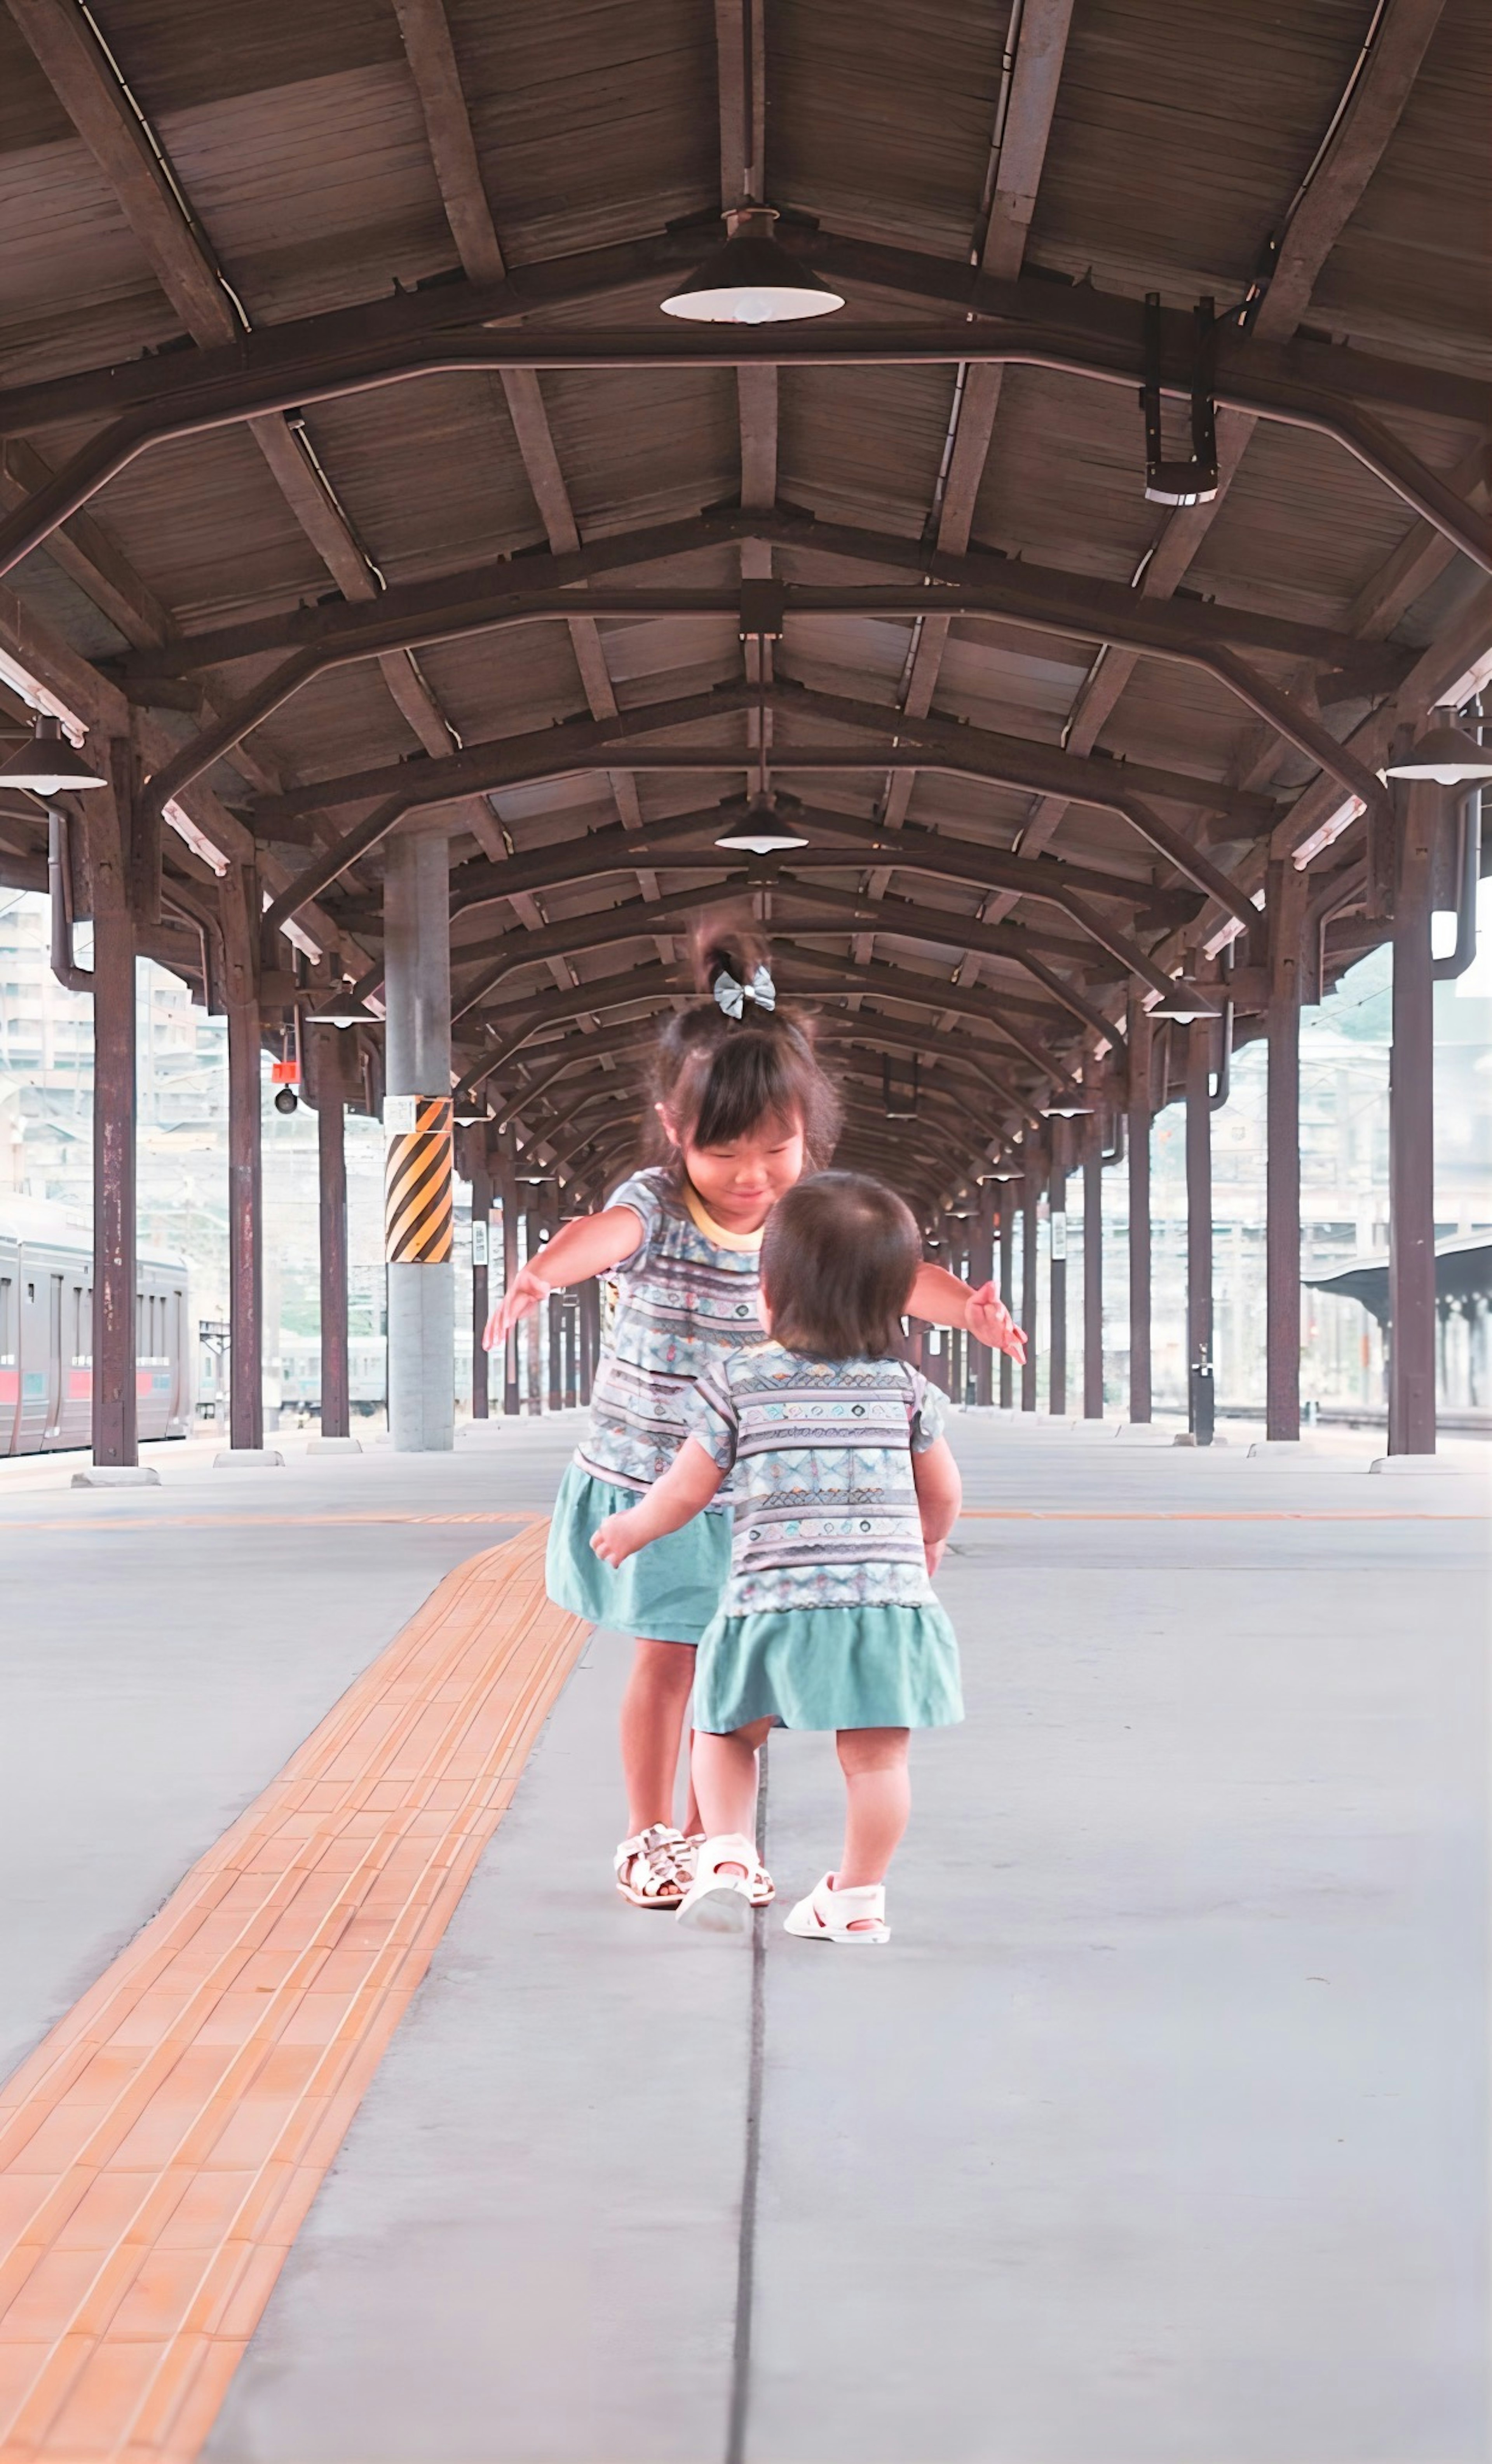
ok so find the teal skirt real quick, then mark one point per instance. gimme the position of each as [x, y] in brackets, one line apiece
[829, 1669]
[669, 1591]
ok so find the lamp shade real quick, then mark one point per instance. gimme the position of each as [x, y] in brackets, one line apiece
[751, 280]
[1185, 1001]
[49, 766]
[765, 826]
[344, 1009]
[1447, 755]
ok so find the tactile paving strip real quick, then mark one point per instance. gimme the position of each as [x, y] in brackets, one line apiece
[161, 2148]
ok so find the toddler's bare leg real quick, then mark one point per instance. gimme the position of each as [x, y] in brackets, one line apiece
[877, 1802]
[652, 1728]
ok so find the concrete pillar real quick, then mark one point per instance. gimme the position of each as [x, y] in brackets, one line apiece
[1140, 1040]
[550, 1197]
[1007, 1286]
[326, 1044]
[1057, 1264]
[1030, 1192]
[1412, 1135]
[1285, 910]
[533, 1324]
[417, 1116]
[115, 1435]
[1093, 1272]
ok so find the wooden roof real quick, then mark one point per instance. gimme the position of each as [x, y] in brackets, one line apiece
[203, 210]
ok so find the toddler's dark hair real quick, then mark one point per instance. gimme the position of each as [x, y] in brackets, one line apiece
[838, 1263]
[720, 1077]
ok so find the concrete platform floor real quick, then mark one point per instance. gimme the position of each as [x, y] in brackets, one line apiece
[1158, 2132]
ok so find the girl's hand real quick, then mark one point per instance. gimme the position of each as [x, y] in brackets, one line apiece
[933, 1550]
[614, 1541]
[528, 1293]
[989, 1321]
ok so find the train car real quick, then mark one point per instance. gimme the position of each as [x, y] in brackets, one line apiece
[46, 1335]
[301, 1373]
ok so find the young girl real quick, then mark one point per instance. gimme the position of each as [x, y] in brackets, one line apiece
[742, 1109]
[845, 1493]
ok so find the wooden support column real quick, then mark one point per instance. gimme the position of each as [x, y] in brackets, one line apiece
[326, 1051]
[1412, 1309]
[1285, 910]
[1198, 1194]
[1030, 1192]
[508, 1192]
[556, 1309]
[1140, 1039]
[533, 1324]
[981, 1271]
[1093, 1272]
[115, 1434]
[239, 896]
[480, 1164]
[1057, 1262]
[1007, 1286]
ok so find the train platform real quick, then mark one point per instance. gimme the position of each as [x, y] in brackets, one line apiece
[350, 2117]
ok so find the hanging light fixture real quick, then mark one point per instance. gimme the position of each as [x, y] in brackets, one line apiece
[344, 1009]
[49, 766]
[1068, 1108]
[468, 1110]
[1448, 755]
[1186, 1002]
[751, 280]
[765, 826]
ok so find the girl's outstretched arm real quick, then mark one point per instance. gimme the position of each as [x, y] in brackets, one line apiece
[943, 1299]
[684, 1490]
[940, 1496]
[585, 1247]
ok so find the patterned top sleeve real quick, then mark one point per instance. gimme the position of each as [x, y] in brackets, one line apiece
[712, 1417]
[927, 1413]
[640, 1193]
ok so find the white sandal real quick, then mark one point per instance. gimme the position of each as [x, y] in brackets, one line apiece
[762, 1889]
[827, 1915]
[721, 1903]
[655, 1869]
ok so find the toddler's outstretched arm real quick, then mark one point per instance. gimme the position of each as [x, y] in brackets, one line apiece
[684, 1490]
[587, 1248]
[940, 1496]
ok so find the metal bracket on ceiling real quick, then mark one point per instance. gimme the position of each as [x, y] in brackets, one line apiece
[900, 1106]
[1193, 482]
[762, 610]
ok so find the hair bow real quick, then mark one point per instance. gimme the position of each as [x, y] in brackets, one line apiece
[733, 996]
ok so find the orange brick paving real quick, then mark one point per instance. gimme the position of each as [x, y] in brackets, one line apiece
[160, 2149]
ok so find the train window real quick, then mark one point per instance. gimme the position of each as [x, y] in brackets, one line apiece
[7, 1337]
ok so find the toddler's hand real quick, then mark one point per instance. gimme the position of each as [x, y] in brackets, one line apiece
[612, 1542]
[990, 1321]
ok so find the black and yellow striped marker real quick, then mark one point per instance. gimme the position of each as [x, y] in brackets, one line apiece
[417, 1185]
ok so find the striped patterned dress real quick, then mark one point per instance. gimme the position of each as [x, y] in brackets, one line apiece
[685, 1297]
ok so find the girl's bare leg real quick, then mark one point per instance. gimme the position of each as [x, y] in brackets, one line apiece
[725, 1779]
[652, 1731]
[877, 1802]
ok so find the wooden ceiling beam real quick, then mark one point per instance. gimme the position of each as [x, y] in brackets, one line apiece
[89, 88]
[428, 48]
[1030, 76]
[1384, 78]
[222, 393]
